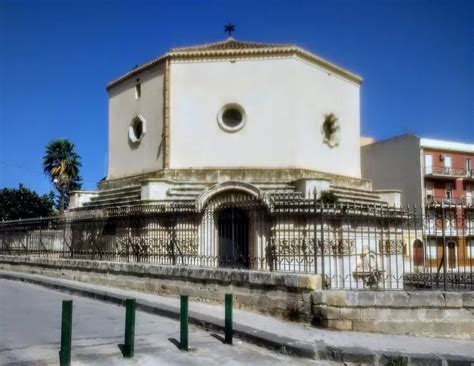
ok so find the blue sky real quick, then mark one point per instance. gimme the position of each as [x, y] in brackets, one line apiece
[416, 58]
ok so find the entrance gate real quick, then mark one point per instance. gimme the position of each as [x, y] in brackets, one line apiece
[233, 233]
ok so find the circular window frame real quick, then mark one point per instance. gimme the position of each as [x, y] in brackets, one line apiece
[223, 125]
[131, 129]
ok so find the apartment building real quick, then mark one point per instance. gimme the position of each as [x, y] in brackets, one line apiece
[437, 178]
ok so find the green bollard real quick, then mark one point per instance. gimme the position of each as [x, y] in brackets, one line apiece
[228, 318]
[183, 318]
[129, 346]
[66, 332]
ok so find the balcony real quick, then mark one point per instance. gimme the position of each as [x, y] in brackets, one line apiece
[469, 175]
[444, 172]
[435, 201]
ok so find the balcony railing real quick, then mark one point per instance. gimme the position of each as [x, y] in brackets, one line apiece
[446, 171]
[469, 174]
[436, 200]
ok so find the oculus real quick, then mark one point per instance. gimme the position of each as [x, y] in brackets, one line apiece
[137, 129]
[330, 130]
[231, 117]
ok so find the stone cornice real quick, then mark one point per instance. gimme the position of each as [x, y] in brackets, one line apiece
[241, 53]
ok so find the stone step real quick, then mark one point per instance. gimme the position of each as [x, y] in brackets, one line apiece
[264, 185]
[109, 204]
[344, 198]
[113, 200]
[119, 192]
[116, 196]
[125, 193]
[355, 190]
[121, 189]
[362, 195]
[177, 195]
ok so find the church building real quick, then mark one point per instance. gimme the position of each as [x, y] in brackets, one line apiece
[259, 118]
[231, 145]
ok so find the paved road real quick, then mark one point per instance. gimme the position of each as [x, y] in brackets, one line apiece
[30, 318]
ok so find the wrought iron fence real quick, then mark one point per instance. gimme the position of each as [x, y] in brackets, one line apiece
[352, 246]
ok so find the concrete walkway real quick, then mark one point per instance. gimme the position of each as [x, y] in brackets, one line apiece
[292, 338]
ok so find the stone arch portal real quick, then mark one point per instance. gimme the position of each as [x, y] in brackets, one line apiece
[234, 228]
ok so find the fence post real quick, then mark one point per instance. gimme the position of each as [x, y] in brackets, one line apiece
[322, 244]
[129, 346]
[228, 318]
[445, 265]
[183, 343]
[315, 233]
[66, 332]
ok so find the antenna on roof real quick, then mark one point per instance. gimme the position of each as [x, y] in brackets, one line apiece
[229, 28]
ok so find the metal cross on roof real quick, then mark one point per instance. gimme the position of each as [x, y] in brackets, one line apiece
[229, 28]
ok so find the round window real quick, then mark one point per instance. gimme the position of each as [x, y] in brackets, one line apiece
[231, 117]
[137, 129]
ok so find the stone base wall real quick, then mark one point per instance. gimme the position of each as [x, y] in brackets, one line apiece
[287, 296]
[429, 313]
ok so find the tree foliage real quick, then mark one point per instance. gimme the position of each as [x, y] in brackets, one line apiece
[328, 197]
[22, 203]
[61, 164]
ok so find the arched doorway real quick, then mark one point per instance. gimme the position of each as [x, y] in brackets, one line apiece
[418, 253]
[451, 254]
[233, 233]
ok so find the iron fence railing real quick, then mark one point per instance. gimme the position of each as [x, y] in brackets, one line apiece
[447, 201]
[446, 170]
[352, 246]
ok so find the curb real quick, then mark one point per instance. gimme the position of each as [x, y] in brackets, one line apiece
[284, 345]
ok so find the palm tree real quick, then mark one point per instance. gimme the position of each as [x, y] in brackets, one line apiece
[61, 163]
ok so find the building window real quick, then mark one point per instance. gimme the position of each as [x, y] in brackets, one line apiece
[418, 253]
[232, 117]
[468, 167]
[432, 249]
[470, 248]
[428, 164]
[138, 91]
[447, 164]
[449, 191]
[429, 188]
[137, 129]
[330, 130]
[469, 194]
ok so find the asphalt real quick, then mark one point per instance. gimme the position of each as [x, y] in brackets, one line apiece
[295, 339]
[30, 324]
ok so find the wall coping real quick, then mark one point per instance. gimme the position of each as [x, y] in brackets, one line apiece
[394, 299]
[237, 277]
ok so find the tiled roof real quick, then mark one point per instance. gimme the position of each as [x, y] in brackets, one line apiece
[233, 48]
[230, 44]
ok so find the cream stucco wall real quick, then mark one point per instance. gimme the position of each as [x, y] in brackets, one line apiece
[395, 164]
[125, 158]
[285, 100]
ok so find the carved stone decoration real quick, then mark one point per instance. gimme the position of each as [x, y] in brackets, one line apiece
[330, 130]
[293, 247]
[366, 270]
[391, 246]
[337, 247]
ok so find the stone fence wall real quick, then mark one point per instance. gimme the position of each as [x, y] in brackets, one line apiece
[289, 296]
[425, 313]
[281, 294]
